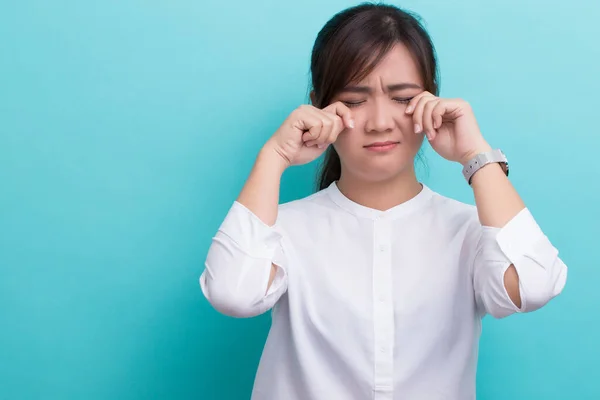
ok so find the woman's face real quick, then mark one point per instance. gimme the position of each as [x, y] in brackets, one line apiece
[382, 143]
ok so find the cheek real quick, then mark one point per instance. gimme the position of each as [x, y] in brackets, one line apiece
[347, 143]
[413, 139]
[413, 145]
[409, 137]
[406, 123]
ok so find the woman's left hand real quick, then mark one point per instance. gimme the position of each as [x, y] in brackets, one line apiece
[450, 126]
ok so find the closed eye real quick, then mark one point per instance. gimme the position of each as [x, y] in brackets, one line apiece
[401, 100]
[351, 104]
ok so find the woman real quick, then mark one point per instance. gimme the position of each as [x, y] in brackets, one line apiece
[377, 284]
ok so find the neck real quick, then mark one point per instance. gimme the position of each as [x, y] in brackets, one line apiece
[380, 195]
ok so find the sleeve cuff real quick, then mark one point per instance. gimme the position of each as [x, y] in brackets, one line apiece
[520, 236]
[250, 233]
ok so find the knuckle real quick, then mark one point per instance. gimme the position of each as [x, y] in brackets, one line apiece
[432, 104]
[341, 108]
[302, 109]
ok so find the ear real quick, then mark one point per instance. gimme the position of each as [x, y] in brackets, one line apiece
[312, 97]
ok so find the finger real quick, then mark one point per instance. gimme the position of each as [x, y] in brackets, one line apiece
[340, 109]
[410, 108]
[418, 112]
[311, 134]
[314, 143]
[427, 117]
[337, 128]
[310, 122]
[329, 135]
[327, 124]
[438, 114]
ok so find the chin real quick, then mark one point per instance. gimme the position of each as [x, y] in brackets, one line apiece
[380, 167]
[380, 173]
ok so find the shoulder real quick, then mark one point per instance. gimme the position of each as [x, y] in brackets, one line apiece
[453, 219]
[295, 211]
[453, 210]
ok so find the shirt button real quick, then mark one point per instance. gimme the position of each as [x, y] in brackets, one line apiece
[382, 247]
[381, 299]
[382, 349]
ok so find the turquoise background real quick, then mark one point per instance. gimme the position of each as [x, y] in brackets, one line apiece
[127, 128]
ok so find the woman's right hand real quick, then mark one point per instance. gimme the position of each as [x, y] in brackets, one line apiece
[308, 131]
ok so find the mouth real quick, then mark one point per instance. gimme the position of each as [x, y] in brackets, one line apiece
[382, 146]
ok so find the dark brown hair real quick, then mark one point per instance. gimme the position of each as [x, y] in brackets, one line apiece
[350, 46]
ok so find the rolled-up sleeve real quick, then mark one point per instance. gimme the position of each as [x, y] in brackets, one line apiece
[238, 265]
[521, 242]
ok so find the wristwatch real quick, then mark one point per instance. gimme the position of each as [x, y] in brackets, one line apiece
[483, 159]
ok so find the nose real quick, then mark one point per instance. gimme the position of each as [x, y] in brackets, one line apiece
[380, 118]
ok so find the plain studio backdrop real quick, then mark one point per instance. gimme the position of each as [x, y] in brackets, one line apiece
[127, 128]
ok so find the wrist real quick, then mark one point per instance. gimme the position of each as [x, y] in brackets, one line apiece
[273, 157]
[487, 173]
[471, 154]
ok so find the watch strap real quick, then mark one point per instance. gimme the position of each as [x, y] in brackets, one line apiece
[483, 159]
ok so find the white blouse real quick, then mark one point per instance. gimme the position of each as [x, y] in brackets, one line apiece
[370, 304]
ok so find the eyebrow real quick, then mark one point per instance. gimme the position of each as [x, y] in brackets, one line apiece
[391, 88]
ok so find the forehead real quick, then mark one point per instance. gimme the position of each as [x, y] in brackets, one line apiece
[398, 65]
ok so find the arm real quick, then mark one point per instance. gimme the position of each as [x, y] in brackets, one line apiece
[497, 203]
[260, 194]
[516, 268]
[246, 267]
[240, 270]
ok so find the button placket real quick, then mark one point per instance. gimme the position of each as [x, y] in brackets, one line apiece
[383, 312]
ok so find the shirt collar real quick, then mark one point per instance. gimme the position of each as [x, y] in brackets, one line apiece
[359, 210]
